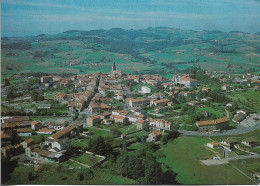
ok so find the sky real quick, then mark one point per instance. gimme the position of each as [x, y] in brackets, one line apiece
[33, 17]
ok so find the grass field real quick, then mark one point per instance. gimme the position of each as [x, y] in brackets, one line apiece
[251, 98]
[87, 159]
[189, 168]
[65, 177]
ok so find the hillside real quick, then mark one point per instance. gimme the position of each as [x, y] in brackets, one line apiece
[153, 50]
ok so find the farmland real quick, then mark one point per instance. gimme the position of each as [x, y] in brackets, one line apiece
[153, 50]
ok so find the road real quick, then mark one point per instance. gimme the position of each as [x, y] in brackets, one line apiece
[226, 160]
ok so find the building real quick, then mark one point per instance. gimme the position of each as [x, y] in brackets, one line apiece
[251, 142]
[161, 102]
[45, 131]
[24, 132]
[141, 124]
[239, 116]
[154, 136]
[138, 102]
[227, 88]
[36, 125]
[146, 90]
[119, 119]
[69, 131]
[8, 151]
[93, 120]
[61, 144]
[185, 80]
[160, 124]
[28, 143]
[213, 145]
[6, 137]
[212, 125]
[229, 142]
[46, 79]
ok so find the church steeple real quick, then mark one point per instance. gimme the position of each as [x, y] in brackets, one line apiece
[114, 66]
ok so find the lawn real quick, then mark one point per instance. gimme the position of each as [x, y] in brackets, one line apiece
[100, 132]
[87, 159]
[183, 154]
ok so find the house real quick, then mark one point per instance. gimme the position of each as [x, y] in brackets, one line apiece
[24, 132]
[119, 119]
[28, 143]
[212, 125]
[93, 120]
[23, 121]
[36, 125]
[206, 99]
[8, 151]
[185, 80]
[160, 109]
[193, 103]
[46, 79]
[206, 89]
[161, 102]
[19, 149]
[141, 124]
[137, 102]
[160, 123]
[45, 155]
[227, 88]
[69, 131]
[45, 131]
[6, 137]
[213, 145]
[61, 144]
[60, 96]
[154, 136]
[251, 142]
[229, 142]
[239, 116]
[146, 90]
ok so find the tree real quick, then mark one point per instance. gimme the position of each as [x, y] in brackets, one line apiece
[30, 176]
[88, 174]
[80, 176]
[7, 82]
[10, 94]
[164, 139]
[99, 146]
[115, 131]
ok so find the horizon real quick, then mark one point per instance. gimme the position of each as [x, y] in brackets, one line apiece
[74, 30]
[31, 18]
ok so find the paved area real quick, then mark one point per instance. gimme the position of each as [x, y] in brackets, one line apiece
[226, 160]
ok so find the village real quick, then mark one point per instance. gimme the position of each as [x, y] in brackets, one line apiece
[131, 109]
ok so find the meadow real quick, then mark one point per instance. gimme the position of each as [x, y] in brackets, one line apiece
[189, 168]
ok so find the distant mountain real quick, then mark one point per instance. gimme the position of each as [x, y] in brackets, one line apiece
[156, 50]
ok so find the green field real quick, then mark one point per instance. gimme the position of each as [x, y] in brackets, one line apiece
[65, 177]
[89, 160]
[189, 168]
[250, 97]
[139, 54]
